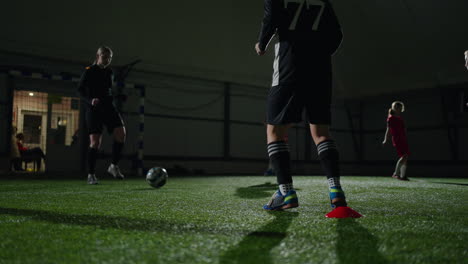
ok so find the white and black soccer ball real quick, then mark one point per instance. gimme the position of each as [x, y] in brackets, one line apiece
[156, 177]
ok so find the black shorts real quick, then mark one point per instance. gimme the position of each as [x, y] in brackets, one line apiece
[103, 115]
[311, 92]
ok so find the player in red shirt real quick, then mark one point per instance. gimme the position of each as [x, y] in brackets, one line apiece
[397, 129]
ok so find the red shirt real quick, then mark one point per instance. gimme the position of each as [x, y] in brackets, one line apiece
[397, 129]
[20, 146]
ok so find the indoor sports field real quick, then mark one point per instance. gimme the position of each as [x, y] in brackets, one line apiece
[289, 132]
[220, 220]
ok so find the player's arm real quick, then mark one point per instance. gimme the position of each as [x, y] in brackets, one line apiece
[83, 89]
[111, 81]
[386, 136]
[268, 28]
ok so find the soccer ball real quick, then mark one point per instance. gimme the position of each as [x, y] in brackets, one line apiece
[156, 177]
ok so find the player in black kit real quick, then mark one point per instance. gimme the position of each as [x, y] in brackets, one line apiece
[308, 34]
[95, 89]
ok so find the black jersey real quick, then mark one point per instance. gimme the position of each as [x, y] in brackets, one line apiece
[96, 82]
[307, 32]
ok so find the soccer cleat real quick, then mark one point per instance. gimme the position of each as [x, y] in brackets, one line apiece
[92, 180]
[337, 197]
[115, 172]
[343, 212]
[396, 176]
[280, 202]
[337, 193]
[403, 179]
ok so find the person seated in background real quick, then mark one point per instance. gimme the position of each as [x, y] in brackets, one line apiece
[36, 154]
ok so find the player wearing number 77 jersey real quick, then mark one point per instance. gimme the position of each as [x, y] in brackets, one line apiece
[308, 33]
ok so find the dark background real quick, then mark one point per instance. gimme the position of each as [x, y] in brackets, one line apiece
[190, 50]
[389, 45]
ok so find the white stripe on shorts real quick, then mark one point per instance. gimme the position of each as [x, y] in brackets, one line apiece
[276, 65]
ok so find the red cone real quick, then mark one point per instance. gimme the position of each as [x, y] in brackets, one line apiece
[343, 212]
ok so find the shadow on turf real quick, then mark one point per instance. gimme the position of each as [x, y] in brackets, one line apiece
[147, 189]
[258, 191]
[116, 222]
[356, 244]
[257, 245]
[452, 183]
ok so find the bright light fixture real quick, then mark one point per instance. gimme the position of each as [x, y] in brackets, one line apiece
[31, 94]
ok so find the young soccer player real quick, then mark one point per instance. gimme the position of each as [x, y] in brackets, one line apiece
[95, 89]
[396, 127]
[308, 33]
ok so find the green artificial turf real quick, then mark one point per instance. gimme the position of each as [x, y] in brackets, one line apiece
[221, 220]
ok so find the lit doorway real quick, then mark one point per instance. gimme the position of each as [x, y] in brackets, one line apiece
[31, 114]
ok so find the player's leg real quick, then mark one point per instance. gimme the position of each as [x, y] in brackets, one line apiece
[116, 126]
[94, 145]
[329, 158]
[94, 124]
[269, 171]
[278, 151]
[404, 163]
[397, 172]
[318, 108]
[283, 108]
[119, 141]
[403, 152]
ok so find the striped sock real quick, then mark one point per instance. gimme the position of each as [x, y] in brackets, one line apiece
[285, 188]
[278, 152]
[335, 188]
[398, 167]
[329, 158]
[403, 171]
